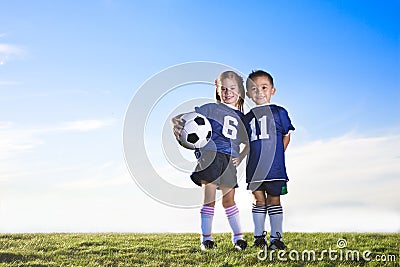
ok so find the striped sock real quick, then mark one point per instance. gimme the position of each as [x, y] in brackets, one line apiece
[207, 215]
[234, 221]
[259, 214]
[276, 219]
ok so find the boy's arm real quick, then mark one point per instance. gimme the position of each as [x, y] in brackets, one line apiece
[286, 140]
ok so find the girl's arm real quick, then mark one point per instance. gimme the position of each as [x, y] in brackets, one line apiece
[286, 140]
[242, 155]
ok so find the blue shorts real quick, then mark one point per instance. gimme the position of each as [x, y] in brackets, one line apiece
[215, 167]
[273, 188]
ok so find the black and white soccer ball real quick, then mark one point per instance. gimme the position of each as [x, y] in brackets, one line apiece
[196, 131]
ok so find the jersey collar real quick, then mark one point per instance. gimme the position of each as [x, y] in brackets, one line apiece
[266, 104]
[230, 106]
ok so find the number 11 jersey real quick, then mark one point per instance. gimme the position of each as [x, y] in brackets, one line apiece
[266, 125]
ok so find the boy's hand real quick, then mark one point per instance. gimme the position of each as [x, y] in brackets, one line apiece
[177, 125]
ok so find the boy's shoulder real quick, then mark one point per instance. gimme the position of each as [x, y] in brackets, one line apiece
[272, 107]
[277, 107]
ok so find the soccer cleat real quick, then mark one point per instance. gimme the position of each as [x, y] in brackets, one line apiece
[241, 244]
[276, 244]
[208, 244]
[259, 242]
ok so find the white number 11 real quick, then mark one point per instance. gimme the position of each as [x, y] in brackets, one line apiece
[263, 129]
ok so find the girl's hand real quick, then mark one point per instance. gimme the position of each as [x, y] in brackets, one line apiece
[177, 125]
[242, 155]
[236, 161]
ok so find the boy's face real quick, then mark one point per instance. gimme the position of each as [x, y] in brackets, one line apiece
[261, 90]
[229, 91]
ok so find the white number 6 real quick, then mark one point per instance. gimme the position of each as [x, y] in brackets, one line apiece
[229, 129]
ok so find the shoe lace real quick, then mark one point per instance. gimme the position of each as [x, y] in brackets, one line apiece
[278, 236]
[264, 234]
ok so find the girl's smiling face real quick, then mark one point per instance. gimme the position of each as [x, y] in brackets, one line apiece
[229, 91]
[261, 91]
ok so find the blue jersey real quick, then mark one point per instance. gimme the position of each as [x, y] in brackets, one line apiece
[266, 125]
[228, 131]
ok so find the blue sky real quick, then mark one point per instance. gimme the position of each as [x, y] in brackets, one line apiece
[68, 71]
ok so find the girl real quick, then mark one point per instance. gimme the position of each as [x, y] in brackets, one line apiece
[217, 161]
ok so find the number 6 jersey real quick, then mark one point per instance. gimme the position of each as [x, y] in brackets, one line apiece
[266, 125]
[228, 131]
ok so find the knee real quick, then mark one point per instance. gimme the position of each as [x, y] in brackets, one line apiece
[209, 204]
[226, 203]
[260, 202]
[259, 198]
[274, 200]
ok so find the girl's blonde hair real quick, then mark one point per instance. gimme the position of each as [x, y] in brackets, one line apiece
[239, 80]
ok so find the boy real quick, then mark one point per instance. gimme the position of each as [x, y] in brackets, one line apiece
[268, 128]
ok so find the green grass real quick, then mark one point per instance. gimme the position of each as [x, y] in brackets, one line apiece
[125, 249]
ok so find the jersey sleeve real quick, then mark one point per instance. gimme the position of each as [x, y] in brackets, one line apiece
[200, 110]
[285, 120]
[205, 109]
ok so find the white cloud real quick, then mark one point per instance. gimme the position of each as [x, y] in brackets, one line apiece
[84, 125]
[347, 183]
[9, 83]
[10, 49]
[15, 138]
[14, 141]
[9, 52]
[343, 184]
[105, 176]
[17, 141]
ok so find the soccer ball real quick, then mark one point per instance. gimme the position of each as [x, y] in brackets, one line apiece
[196, 131]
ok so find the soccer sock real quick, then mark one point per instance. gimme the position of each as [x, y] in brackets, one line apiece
[234, 221]
[207, 215]
[259, 214]
[276, 219]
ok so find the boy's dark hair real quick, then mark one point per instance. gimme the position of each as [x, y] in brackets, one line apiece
[255, 74]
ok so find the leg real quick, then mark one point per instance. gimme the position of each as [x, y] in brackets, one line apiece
[259, 198]
[207, 212]
[228, 197]
[259, 212]
[275, 213]
[210, 191]
[232, 213]
[273, 200]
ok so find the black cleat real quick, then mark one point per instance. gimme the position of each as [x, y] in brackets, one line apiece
[259, 242]
[241, 244]
[276, 244]
[208, 244]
